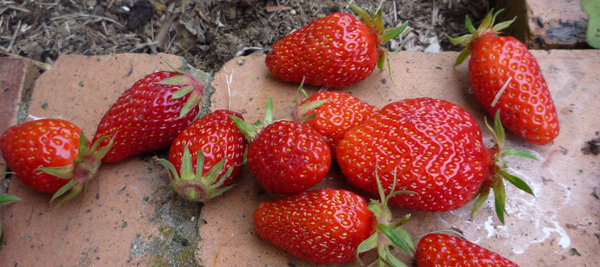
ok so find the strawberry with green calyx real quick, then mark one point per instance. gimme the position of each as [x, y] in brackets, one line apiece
[150, 114]
[498, 172]
[285, 156]
[438, 249]
[52, 156]
[336, 51]
[329, 226]
[506, 77]
[217, 156]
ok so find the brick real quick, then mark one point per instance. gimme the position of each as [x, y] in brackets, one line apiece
[547, 24]
[540, 231]
[16, 79]
[124, 217]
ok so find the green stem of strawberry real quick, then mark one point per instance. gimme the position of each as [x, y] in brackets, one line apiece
[499, 173]
[83, 169]
[387, 235]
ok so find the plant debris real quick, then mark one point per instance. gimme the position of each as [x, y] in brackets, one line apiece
[207, 33]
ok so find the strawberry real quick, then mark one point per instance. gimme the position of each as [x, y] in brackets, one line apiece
[429, 146]
[446, 250]
[217, 146]
[150, 114]
[506, 77]
[285, 156]
[328, 226]
[51, 156]
[335, 51]
[333, 118]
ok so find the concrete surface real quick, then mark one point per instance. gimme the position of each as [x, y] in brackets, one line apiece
[130, 217]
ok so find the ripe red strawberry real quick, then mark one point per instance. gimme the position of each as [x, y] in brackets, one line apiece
[51, 156]
[285, 156]
[328, 226]
[505, 76]
[340, 112]
[217, 145]
[429, 146]
[335, 51]
[150, 114]
[445, 250]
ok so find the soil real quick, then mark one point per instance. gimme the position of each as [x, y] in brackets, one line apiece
[207, 33]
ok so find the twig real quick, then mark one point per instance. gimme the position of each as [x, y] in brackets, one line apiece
[76, 15]
[497, 97]
[39, 64]
[14, 37]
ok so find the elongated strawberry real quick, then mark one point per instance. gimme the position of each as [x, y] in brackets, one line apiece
[429, 146]
[51, 156]
[446, 250]
[335, 51]
[340, 112]
[217, 146]
[506, 77]
[285, 156]
[150, 114]
[328, 226]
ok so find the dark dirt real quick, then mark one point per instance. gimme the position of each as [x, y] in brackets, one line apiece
[207, 33]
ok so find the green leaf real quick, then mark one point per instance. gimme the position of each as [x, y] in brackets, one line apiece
[393, 260]
[500, 199]
[193, 101]
[518, 153]
[394, 237]
[464, 54]
[6, 198]
[63, 190]
[247, 129]
[405, 236]
[170, 168]
[592, 8]
[366, 245]
[187, 171]
[503, 25]
[381, 61]
[391, 33]
[482, 196]
[498, 129]
[516, 181]
[364, 16]
[182, 92]
[461, 40]
[175, 80]
[269, 112]
[469, 24]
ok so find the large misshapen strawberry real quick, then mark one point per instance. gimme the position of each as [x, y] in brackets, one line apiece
[206, 156]
[335, 51]
[506, 77]
[150, 114]
[52, 156]
[432, 147]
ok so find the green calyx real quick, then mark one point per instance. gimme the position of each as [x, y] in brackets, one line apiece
[301, 111]
[486, 28]
[375, 22]
[388, 235]
[499, 174]
[83, 169]
[195, 186]
[189, 85]
[251, 130]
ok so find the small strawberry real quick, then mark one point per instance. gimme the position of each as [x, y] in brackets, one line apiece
[217, 145]
[446, 250]
[285, 156]
[52, 156]
[429, 146]
[506, 77]
[328, 226]
[333, 118]
[335, 51]
[150, 114]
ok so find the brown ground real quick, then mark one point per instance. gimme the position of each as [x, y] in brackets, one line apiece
[205, 32]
